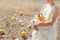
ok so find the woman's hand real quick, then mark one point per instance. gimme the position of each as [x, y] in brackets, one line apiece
[36, 27]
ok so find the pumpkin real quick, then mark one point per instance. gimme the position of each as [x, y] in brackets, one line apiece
[2, 32]
[41, 18]
[23, 34]
[21, 23]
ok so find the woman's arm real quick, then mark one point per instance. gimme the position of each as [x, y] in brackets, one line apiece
[53, 19]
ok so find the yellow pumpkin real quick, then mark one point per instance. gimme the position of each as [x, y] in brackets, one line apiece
[42, 18]
[2, 32]
[23, 34]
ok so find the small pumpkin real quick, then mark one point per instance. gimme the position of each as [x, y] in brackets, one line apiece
[41, 18]
[2, 32]
[21, 23]
[23, 34]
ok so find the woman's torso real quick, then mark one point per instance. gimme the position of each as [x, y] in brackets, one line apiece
[48, 12]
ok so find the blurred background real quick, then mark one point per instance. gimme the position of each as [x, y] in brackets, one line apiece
[15, 17]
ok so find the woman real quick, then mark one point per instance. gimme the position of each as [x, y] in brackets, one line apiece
[48, 29]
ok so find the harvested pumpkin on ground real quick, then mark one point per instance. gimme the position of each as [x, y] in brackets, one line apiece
[24, 34]
[2, 32]
[21, 23]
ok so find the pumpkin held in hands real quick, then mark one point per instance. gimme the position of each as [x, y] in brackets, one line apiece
[41, 18]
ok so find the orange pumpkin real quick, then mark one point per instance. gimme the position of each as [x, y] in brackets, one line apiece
[23, 34]
[41, 18]
[2, 32]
